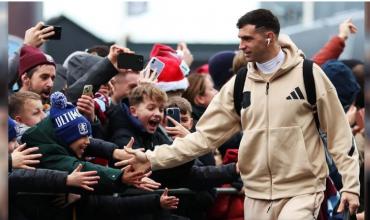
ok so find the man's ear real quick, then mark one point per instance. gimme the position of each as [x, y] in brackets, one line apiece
[25, 80]
[18, 119]
[271, 35]
[133, 111]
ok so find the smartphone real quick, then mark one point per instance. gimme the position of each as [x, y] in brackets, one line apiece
[173, 112]
[347, 215]
[88, 90]
[156, 65]
[57, 30]
[130, 61]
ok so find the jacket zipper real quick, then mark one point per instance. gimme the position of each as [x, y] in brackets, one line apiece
[268, 139]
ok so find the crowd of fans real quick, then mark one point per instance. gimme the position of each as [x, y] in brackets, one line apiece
[67, 147]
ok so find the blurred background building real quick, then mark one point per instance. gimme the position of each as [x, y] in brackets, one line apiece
[206, 28]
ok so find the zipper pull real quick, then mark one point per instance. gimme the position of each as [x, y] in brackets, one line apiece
[267, 88]
[269, 207]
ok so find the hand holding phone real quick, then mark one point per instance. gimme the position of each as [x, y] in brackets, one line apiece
[130, 61]
[88, 90]
[151, 72]
[156, 65]
[57, 32]
[173, 112]
[347, 215]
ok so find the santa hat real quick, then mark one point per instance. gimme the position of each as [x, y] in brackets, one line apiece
[69, 124]
[203, 69]
[173, 74]
[31, 57]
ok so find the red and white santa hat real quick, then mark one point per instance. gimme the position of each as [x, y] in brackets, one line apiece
[172, 77]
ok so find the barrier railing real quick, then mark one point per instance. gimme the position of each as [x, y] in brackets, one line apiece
[133, 191]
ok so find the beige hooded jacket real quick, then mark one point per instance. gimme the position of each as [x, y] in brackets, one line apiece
[281, 154]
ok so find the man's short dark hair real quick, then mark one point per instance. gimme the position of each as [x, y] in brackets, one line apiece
[29, 73]
[261, 18]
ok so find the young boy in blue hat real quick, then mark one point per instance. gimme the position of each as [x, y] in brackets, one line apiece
[21, 159]
[63, 137]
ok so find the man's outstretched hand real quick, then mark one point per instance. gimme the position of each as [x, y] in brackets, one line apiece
[139, 162]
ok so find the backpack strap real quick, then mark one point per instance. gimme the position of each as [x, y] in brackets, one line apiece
[238, 88]
[309, 84]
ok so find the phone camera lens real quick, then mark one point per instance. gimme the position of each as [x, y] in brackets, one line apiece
[170, 111]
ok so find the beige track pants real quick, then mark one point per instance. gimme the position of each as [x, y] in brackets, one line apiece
[302, 207]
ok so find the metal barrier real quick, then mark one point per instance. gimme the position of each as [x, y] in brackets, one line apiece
[178, 191]
[133, 191]
[185, 194]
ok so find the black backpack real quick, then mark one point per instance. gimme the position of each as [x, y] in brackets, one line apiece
[309, 84]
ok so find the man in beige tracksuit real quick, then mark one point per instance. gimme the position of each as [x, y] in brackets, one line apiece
[281, 157]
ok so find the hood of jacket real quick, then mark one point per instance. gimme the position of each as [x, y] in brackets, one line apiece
[293, 57]
[123, 125]
[120, 116]
[197, 111]
[77, 64]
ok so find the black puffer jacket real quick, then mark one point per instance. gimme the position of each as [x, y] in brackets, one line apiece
[125, 207]
[34, 181]
[90, 206]
[38, 180]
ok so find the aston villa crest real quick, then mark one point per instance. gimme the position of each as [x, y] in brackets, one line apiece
[82, 128]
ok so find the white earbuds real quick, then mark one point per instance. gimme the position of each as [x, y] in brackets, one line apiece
[268, 41]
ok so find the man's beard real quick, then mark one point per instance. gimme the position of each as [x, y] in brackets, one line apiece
[44, 94]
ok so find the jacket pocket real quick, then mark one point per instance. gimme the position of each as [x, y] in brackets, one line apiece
[288, 157]
[252, 158]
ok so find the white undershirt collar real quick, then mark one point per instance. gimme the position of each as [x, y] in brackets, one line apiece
[272, 65]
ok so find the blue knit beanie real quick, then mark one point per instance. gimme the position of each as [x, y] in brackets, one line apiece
[69, 124]
[343, 80]
[220, 67]
[12, 129]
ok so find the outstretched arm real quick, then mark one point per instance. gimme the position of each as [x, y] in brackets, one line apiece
[98, 74]
[218, 124]
[335, 46]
